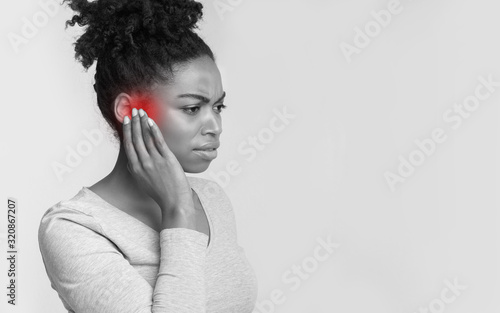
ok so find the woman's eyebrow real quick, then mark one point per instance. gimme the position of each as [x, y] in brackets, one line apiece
[200, 97]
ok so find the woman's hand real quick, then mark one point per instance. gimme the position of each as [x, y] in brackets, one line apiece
[154, 166]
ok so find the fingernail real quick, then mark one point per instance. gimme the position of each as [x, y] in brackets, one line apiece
[141, 112]
[126, 120]
[134, 112]
[150, 121]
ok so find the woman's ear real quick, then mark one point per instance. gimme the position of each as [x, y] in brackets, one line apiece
[123, 106]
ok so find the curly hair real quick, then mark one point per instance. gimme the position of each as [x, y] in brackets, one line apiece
[135, 43]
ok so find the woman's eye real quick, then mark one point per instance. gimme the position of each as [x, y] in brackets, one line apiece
[191, 112]
[191, 108]
[222, 107]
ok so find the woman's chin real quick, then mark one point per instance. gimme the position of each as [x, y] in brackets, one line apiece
[198, 167]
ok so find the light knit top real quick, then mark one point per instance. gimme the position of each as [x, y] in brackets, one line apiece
[100, 259]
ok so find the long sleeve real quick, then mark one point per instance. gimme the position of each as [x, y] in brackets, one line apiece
[91, 274]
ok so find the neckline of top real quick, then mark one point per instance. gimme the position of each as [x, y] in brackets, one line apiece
[193, 182]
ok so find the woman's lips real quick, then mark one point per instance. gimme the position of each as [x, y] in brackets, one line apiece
[207, 154]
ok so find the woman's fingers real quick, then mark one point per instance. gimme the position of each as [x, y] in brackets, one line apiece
[142, 140]
[146, 134]
[127, 142]
[137, 138]
[158, 139]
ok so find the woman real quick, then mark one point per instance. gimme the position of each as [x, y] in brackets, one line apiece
[147, 238]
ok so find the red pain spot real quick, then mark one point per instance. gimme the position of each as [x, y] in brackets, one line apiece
[149, 105]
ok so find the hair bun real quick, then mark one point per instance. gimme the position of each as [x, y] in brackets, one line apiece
[124, 24]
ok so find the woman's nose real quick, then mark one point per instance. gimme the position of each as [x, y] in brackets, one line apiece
[212, 123]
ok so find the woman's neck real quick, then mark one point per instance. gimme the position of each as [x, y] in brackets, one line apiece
[120, 183]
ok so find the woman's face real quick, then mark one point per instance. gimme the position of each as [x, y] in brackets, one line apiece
[189, 112]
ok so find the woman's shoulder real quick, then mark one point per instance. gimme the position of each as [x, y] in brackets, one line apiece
[80, 202]
[75, 210]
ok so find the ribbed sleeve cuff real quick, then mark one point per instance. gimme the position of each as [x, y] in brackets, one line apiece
[183, 250]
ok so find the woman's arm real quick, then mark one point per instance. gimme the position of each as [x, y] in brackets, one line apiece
[91, 274]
